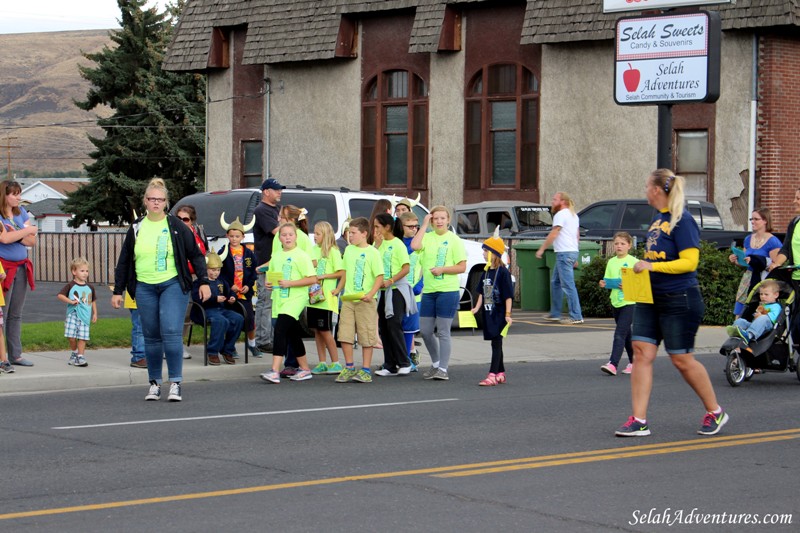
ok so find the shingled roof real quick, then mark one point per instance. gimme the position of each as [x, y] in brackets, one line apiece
[303, 30]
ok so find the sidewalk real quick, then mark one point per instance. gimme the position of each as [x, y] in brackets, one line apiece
[111, 367]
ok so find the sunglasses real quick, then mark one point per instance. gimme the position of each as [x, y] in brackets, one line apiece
[185, 219]
[414, 226]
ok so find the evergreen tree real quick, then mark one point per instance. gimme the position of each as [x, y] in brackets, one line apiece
[157, 128]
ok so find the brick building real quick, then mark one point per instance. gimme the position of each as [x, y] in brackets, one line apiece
[477, 100]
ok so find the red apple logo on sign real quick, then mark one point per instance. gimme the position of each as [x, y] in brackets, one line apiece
[631, 78]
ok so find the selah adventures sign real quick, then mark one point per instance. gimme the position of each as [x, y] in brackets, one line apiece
[667, 59]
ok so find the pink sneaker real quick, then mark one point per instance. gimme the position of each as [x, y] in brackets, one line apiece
[609, 368]
[628, 369]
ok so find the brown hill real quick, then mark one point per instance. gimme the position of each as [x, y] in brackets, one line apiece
[39, 82]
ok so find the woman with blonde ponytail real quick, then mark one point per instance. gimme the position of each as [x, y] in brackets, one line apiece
[671, 256]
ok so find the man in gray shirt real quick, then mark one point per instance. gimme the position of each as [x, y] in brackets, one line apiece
[264, 231]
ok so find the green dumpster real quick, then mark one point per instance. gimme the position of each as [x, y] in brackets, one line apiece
[534, 276]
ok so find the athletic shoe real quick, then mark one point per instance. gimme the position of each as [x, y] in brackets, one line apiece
[414, 367]
[254, 351]
[213, 360]
[571, 321]
[609, 368]
[414, 358]
[174, 392]
[234, 354]
[428, 374]
[712, 423]
[229, 358]
[628, 369]
[264, 348]
[321, 368]
[139, 363]
[271, 377]
[154, 394]
[383, 372]
[346, 375]
[553, 318]
[80, 360]
[334, 368]
[362, 376]
[73, 359]
[186, 355]
[20, 361]
[633, 428]
[743, 334]
[5, 367]
[405, 370]
[731, 331]
[441, 375]
[288, 372]
[302, 375]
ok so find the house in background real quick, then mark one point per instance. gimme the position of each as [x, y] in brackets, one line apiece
[43, 189]
[470, 100]
[49, 217]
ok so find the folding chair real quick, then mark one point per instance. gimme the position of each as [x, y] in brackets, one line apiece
[190, 323]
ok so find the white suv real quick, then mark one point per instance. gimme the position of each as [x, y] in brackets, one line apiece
[332, 205]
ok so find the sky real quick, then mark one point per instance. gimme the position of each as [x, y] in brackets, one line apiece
[33, 16]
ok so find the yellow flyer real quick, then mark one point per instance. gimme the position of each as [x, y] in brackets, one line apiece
[274, 277]
[636, 287]
[466, 320]
[353, 296]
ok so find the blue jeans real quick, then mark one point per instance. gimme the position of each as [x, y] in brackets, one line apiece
[226, 325]
[623, 316]
[137, 339]
[562, 283]
[162, 308]
[757, 327]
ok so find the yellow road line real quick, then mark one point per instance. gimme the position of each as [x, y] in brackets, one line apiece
[454, 471]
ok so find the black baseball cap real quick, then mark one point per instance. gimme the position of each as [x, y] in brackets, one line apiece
[272, 183]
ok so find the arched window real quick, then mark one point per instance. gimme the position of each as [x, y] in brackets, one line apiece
[502, 126]
[394, 137]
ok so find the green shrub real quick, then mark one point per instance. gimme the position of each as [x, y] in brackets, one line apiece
[717, 276]
[594, 299]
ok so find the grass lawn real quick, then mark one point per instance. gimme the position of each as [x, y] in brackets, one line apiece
[106, 333]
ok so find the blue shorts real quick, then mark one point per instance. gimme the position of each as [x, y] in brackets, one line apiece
[673, 318]
[411, 323]
[439, 304]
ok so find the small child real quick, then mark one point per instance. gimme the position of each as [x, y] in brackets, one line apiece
[239, 272]
[765, 316]
[411, 321]
[622, 309]
[327, 261]
[81, 310]
[289, 300]
[5, 365]
[226, 324]
[363, 277]
[496, 298]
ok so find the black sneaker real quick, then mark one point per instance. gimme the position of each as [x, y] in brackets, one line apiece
[174, 392]
[154, 394]
[633, 428]
[712, 423]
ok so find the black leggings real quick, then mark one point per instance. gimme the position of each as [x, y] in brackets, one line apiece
[288, 333]
[497, 356]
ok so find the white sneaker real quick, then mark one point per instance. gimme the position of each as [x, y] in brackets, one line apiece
[384, 373]
[404, 370]
[186, 354]
[174, 392]
[154, 394]
[271, 377]
[628, 369]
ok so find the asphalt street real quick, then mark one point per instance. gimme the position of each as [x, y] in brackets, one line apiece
[537, 454]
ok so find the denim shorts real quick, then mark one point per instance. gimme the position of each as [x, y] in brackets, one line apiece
[439, 304]
[673, 318]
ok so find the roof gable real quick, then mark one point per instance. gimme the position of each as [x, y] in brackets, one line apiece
[304, 30]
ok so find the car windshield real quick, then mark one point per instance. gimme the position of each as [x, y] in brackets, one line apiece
[533, 217]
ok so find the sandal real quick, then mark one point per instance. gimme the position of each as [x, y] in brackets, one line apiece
[501, 377]
[490, 381]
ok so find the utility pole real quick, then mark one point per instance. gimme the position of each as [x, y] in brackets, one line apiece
[8, 146]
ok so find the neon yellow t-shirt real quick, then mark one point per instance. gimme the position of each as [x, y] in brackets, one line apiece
[441, 250]
[293, 265]
[328, 265]
[614, 271]
[155, 259]
[393, 255]
[361, 266]
[303, 242]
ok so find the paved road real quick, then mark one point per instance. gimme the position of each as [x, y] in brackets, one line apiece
[536, 454]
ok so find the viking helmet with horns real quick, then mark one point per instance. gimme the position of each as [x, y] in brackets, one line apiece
[236, 224]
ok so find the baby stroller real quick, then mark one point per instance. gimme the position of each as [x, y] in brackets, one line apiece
[771, 352]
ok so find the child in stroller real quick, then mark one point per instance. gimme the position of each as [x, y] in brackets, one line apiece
[759, 340]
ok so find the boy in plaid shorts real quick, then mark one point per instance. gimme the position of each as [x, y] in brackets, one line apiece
[81, 309]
